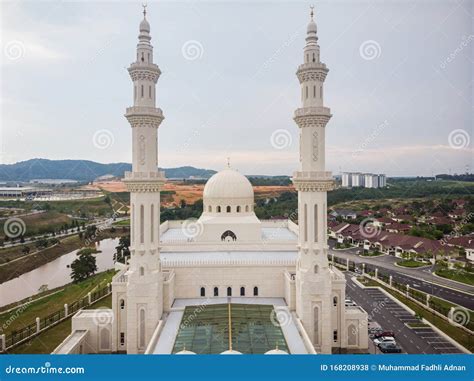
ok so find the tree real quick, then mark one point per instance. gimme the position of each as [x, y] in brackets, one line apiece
[83, 266]
[122, 251]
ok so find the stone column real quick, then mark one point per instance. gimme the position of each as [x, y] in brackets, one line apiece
[66, 310]
[376, 273]
[38, 325]
[390, 280]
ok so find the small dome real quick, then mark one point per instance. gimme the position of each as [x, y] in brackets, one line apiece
[185, 352]
[228, 184]
[231, 352]
[312, 28]
[276, 352]
[145, 26]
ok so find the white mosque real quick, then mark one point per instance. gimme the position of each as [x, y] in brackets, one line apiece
[227, 282]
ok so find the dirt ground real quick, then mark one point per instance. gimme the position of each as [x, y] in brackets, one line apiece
[190, 192]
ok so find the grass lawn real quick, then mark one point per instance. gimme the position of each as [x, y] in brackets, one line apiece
[411, 263]
[50, 304]
[457, 275]
[40, 223]
[368, 282]
[47, 341]
[122, 223]
[371, 254]
[417, 325]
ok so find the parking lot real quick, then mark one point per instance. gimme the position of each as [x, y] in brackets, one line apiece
[390, 316]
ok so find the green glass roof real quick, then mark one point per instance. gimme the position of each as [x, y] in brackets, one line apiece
[209, 329]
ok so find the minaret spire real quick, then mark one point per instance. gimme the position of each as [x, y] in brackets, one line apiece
[312, 181]
[144, 183]
[312, 11]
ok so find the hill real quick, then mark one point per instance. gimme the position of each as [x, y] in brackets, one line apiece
[83, 170]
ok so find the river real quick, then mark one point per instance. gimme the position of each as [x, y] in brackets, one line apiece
[54, 274]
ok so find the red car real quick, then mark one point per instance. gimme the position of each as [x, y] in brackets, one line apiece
[384, 333]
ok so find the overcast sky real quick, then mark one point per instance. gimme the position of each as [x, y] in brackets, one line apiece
[400, 85]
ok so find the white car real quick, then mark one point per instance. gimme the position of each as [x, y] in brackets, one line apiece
[384, 339]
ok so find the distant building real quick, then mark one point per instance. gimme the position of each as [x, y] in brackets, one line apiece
[365, 180]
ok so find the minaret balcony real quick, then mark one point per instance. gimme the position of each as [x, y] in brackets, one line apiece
[312, 71]
[142, 116]
[312, 116]
[155, 175]
[312, 175]
[144, 72]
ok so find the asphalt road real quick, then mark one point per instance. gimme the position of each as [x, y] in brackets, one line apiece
[392, 317]
[416, 278]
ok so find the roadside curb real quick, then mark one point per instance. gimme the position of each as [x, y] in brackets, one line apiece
[412, 268]
[455, 281]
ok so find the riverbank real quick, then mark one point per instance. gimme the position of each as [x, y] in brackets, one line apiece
[42, 306]
[66, 245]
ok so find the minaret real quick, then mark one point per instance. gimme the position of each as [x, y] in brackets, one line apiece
[145, 280]
[313, 278]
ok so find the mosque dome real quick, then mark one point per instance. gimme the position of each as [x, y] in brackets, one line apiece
[228, 184]
[228, 191]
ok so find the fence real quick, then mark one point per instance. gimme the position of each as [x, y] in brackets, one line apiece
[7, 341]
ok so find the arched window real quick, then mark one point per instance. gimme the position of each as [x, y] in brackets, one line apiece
[316, 325]
[141, 329]
[242, 291]
[142, 271]
[142, 224]
[228, 209]
[143, 57]
[314, 91]
[216, 291]
[305, 223]
[351, 335]
[105, 339]
[203, 291]
[142, 91]
[149, 91]
[321, 92]
[246, 208]
[314, 58]
[316, 269]
[228, 236]
[152, 223]
[334, 335]
[209, 208]
[306, 92]
[229, 291]
[255, 291]
[148, 57]
[218, 209]
[122, 304]
[307, 57]
[238, 209]
[334, 301]
[316, 223]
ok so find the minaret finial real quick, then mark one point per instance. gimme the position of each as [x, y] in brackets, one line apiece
[312, 11]
[228, 162]
[144, 10]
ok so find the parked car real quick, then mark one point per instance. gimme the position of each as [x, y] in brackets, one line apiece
[384, 333]
[389, 348]
[384, 339]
